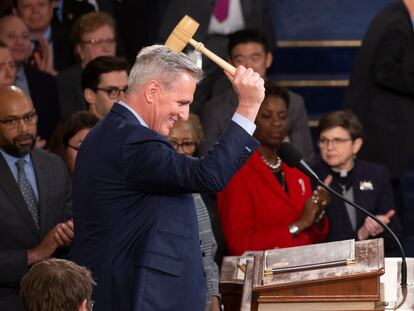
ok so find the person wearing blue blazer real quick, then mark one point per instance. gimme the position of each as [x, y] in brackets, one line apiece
[134, 215]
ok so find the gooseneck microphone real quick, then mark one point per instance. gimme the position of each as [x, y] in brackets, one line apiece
[293, 158]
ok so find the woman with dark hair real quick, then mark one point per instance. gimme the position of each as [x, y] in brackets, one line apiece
[69, 135]
[368, 184]
[267, 204]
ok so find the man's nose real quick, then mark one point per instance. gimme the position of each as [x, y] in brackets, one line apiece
[184, 112]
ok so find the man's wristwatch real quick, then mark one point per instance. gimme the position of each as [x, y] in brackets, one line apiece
[294, 229]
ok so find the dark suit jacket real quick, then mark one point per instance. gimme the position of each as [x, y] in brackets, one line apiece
[381, 89]
[70, 91]
[220, 109]
[254, 12]
[135, 220]
[63, 53]
[71, 10]
[17, 229]
[44, 94]
[378, 200]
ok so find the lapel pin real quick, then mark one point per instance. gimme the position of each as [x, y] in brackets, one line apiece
[365, 185]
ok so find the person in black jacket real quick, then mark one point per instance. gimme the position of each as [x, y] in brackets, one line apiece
[381, 90]
[366, 183]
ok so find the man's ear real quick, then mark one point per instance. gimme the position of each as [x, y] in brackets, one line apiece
[78, 51]
[269, 59]
[89, 95]
[151, 91]
[84, 306]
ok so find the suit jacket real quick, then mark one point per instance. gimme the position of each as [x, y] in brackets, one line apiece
[254, 13]
[17, 229]
[381, 89]
[71, 10]
[70, 90]
[220, 109]
[372, 190]
[255, 211]
[135, 220]
[63, 52]
[43, 91]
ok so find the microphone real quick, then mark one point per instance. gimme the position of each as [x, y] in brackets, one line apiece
[293, 158]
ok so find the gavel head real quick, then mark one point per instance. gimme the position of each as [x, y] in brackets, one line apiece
[182, 34]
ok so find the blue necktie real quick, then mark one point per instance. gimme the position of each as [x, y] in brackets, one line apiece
[27, 192]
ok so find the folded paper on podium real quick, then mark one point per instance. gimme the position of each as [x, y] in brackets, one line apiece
[340, 275]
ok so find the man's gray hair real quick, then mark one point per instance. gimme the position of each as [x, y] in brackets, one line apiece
[158, 62]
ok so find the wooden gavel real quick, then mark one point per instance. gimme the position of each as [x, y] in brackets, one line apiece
[183, 34]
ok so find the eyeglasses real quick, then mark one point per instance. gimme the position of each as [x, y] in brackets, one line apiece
[100, 42]
[187, 146]
[324, 142]
[113, 92]
[73, 147]
[91, 303]
[29, 119]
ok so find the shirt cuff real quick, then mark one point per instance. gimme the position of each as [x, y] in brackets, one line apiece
[245, 123]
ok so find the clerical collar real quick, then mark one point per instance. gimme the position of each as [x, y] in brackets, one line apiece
[343, 177]
[343, 173]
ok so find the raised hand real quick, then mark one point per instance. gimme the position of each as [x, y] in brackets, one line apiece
[249, 87]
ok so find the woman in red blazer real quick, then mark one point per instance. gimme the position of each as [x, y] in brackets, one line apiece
[267, 204]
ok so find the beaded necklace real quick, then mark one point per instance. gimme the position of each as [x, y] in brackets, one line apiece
[270, 165]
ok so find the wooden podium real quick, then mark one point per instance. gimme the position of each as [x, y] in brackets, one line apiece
[353, 286]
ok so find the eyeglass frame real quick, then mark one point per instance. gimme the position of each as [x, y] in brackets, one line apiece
[73, 147]
[100, 42]
[110, 89]
[185, 145]
[31, 114]
[336, 141]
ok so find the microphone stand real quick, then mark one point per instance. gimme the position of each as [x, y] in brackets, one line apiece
[386, 228]
[292, 157]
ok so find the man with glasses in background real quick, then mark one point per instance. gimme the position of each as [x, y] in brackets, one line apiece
[104, 82]
[93, 35]
[35, 197]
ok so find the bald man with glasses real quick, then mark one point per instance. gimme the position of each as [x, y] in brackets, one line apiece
[35, 197]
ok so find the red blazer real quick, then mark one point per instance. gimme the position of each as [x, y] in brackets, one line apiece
[255, 211]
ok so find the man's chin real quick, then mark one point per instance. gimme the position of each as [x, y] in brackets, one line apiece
[19, 151]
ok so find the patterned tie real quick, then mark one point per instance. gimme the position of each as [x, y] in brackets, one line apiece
[221, 10]
[27, 192]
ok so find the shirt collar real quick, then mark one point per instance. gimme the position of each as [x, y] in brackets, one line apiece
[20, 75]
[10, 159]
[140, 119]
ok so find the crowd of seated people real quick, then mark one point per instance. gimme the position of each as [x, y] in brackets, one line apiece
[55, 89]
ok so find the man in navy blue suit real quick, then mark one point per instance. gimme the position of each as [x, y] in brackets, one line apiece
[135, 220]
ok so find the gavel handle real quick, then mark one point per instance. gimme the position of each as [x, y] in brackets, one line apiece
[218, 60]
